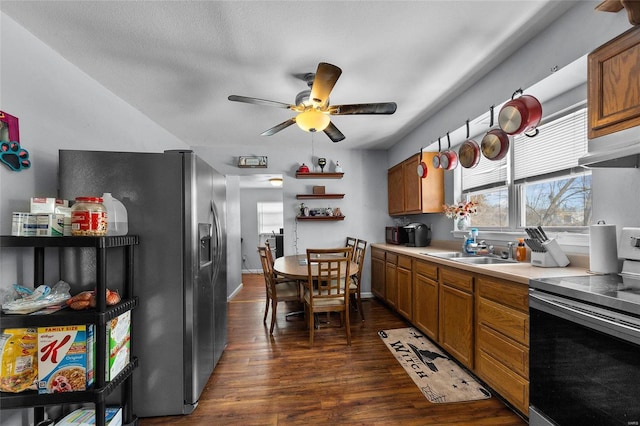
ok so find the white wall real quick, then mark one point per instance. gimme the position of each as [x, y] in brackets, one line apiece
[572, 36]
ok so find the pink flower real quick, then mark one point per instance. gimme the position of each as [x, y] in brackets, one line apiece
[460, 210]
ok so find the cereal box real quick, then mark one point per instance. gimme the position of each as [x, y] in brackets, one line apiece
[62, 359]
[87, 417]
[118, 338]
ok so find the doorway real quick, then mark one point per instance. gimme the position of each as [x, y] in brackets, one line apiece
[261, 218]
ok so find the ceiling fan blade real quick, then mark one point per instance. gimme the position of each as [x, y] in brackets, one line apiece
[334, 134]
[258, 101]
[325, 79]
[379, 108]
[276, 129]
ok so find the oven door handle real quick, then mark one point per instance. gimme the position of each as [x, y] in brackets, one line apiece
[610, 322]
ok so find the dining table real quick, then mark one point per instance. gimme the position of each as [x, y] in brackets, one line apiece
[295, 267]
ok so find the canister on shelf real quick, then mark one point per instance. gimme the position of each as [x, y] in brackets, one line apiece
[88, 217]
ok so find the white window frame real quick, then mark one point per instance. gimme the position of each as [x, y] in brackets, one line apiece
[575, 237]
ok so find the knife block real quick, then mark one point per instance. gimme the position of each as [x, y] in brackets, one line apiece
[553, 257]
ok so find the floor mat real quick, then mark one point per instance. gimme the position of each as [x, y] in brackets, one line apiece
[439, 378]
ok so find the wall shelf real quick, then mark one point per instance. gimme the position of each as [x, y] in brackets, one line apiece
[311, 175]
[318, 196]
[320, 218]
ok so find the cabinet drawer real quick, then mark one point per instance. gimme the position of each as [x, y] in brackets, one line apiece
[377, 253]
[512, 387]
[459, 280]
[508, 352]
[404, 262]
[392, 258]
[514, 295]
[429, 270]
[505, 320]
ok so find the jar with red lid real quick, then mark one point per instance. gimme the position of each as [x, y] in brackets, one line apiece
[88, 217]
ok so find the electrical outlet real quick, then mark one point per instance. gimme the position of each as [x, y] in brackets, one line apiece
[244, 257]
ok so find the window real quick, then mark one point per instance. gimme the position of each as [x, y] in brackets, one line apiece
[538, 183]
[270, 217]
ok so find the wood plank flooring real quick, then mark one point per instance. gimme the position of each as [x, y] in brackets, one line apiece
[279, 380]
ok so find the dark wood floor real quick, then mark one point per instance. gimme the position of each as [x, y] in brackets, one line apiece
[278, 380]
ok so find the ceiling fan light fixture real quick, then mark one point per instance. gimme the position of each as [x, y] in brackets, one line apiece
[312, 120]
[277, 182]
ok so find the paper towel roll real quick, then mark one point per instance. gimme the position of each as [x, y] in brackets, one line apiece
[603, 249]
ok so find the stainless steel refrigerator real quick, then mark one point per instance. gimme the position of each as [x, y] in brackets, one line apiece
[175, 202]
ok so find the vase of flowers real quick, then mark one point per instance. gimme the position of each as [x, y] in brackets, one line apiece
[461, 213]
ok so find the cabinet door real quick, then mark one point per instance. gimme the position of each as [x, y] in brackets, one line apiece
[456, 315]
[431, 187]
[395, 188]
[425, 298]
[391, 284]
[404, 284]
[412, 185]
[378, 273]
[614, 85]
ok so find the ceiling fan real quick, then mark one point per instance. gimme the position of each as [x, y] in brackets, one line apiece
[313, 106]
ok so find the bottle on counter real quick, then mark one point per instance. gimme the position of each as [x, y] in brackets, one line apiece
[521, 251]
[118, 223]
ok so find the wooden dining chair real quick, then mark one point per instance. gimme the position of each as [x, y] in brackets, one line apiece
[351, 242]
[356, 279]
[328, 286]
[277, 290]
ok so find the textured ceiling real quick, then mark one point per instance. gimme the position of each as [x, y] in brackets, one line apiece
[178, 61]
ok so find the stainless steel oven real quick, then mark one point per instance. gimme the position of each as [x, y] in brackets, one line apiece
[584, 351]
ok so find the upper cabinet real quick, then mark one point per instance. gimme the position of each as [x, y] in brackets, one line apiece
[409, 193]
[614, 85]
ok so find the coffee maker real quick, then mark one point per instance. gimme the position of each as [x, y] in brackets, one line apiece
[419, 234]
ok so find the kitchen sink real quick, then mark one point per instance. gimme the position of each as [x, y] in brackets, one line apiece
[470, 258]
[484, 260]
[448, 255]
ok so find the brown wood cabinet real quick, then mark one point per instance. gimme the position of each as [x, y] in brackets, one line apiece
[378, 272]
[425, 298]
[410, 194]
[456, 314]
[404, 283]
[613, 78]
[482, 321]
[390, 280]
[502, 338]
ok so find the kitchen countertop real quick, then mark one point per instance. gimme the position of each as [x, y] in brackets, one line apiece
[517, 272]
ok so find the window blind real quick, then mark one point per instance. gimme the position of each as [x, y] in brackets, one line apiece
[269, 217]
[486, 174]
[557, 147]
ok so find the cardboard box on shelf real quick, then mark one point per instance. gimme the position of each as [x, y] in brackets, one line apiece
[49, 225]
[62, 359]
[24, 224]
[318, 190]
[47, 205]
[87, 417]
[118, 344]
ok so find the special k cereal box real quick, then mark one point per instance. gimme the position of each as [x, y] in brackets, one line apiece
[62, 359]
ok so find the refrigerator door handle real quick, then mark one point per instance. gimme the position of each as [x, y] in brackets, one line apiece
[216, 255]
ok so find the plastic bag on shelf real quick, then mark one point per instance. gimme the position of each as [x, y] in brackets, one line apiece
[42, 297]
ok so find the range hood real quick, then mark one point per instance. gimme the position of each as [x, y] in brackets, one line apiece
[620, 149]
[628, 157]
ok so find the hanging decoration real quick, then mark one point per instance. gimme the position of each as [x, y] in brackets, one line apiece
[12, 154]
